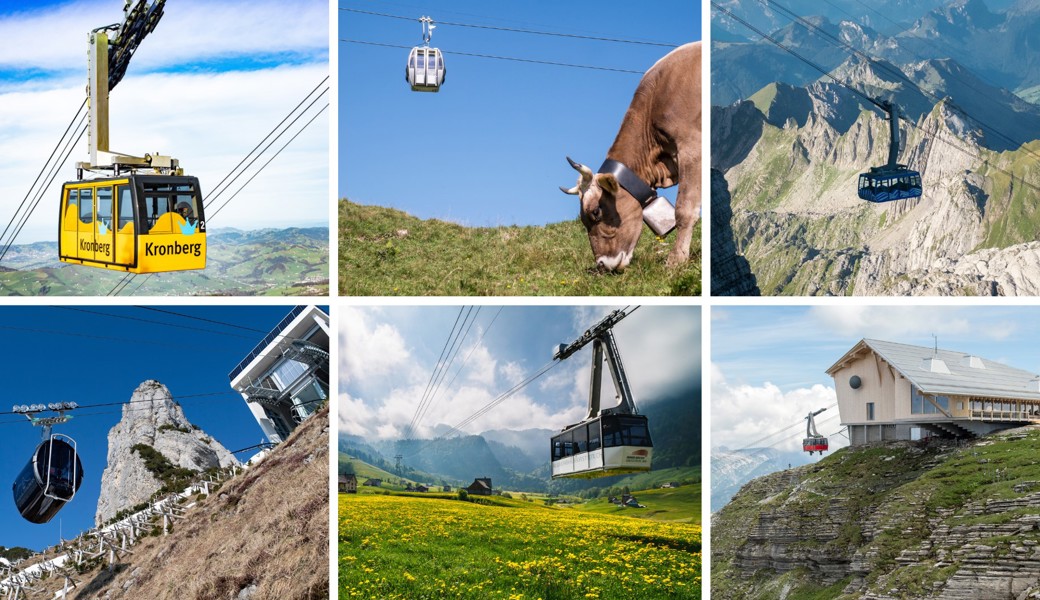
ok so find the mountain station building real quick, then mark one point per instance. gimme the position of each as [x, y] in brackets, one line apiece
[285, 379]
[891, 391]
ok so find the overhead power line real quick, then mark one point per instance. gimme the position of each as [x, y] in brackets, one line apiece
[524, 60]
[516, 30]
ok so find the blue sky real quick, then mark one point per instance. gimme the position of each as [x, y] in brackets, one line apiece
[58, 354]
[205, 87]
[388, 353]
[769, 363]
[489, 148]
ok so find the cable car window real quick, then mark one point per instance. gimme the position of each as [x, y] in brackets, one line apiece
[557, 450]
[593, 436]
[568, 443]
[611, 433]
[581, 439]
[72, 211]
[86, 205]
[104, 205]
[126, 208]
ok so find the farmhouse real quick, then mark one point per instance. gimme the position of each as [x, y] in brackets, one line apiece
[374, 482]
[892, 391]
[348, 484]
[481, 486]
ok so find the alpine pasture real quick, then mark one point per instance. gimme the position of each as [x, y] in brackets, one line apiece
[436, 546]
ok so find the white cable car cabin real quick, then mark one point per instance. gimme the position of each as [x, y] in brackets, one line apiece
[607, 442]
[425, 70]
[50, 479]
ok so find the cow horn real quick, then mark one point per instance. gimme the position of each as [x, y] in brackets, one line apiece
[573, 191]
[586, 173]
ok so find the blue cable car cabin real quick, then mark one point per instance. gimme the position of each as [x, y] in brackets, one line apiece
[884, 185]
[606, 445]
[425, 70]
[50, 479]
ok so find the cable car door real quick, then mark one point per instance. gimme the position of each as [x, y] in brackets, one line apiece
[124, 225]
[104, 237]
[69, 228]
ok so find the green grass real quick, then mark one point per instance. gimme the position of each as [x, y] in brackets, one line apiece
[675, 504]
[396, 547]
[385, 252]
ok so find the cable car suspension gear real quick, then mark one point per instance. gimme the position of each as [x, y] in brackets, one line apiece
[609, 440]
[54, 473]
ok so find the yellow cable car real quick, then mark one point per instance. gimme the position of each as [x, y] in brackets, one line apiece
[134, 223]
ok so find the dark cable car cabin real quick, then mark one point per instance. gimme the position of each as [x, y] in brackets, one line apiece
[813, 442]
[425, 71]
[606, 445]
[892, 181]
[50, 479]
[135, 223]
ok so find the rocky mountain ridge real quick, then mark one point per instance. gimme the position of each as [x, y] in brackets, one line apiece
[900, 520]
[791, 159]
[151, 441]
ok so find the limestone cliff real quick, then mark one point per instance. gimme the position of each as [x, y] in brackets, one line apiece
[147, 447]
[901, 520]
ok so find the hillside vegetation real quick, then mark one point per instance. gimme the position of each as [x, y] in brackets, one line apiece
[386, 252]
[410, 547]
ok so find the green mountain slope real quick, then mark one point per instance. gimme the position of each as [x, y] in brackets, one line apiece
[385, 252]
[267, 262]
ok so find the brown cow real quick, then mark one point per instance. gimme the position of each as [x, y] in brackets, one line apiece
[658, 146]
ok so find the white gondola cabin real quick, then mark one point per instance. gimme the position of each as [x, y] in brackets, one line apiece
[425, 70]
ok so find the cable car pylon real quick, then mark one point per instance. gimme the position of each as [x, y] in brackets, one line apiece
[609, 441]
[813, 442]
[54, 473]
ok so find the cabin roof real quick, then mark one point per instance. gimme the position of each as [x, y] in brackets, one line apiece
[948, 372]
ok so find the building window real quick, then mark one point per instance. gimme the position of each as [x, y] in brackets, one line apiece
[870, 411]
[919, 405]
[288, 372]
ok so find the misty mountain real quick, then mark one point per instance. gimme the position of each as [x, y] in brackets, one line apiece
[730, 470]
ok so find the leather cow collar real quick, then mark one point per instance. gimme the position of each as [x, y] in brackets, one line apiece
[630, 181]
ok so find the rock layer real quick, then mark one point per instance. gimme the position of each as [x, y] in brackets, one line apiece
[153, 418]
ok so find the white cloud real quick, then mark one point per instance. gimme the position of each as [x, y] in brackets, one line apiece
[190, 31]
[889, 322]
[742, 415]
[371, 352]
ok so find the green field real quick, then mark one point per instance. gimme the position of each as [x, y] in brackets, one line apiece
[385, 252]
[681, 504]
[414, 547]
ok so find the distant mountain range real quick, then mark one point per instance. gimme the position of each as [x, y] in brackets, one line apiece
[730, 470]
[283, 262]
[994, 39]
[519, 459]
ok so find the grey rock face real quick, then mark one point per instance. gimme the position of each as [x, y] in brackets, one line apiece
[153, 418]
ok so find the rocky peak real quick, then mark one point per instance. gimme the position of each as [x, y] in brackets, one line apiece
[152, 419]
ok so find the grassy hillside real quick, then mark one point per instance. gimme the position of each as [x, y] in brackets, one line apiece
[675, 504]
[403, 547]
[385, 252]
